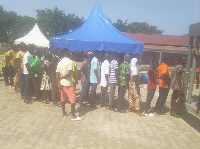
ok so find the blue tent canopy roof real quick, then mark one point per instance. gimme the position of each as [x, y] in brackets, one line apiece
[97, 33]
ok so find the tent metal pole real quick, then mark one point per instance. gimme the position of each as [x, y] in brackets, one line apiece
[160, 58]
[189, 58]
[193, 70]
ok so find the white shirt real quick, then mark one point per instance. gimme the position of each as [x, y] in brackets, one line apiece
[133, 66]
[104, 70]
[28, 58]
[63, 67]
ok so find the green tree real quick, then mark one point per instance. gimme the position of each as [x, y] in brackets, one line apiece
[23, 26]
[7, 22]
[121, 25]
[55, 22]
[137, 27]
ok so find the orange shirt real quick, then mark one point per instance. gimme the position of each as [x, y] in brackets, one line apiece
[152, 81]
[163, 69]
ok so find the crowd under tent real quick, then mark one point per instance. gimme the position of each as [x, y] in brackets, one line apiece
[35, 36]
[97, 33]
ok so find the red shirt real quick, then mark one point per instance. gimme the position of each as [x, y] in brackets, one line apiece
[152, 81]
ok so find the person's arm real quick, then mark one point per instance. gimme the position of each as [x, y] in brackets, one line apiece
[96, 74]
[179, 76]
[76, 74]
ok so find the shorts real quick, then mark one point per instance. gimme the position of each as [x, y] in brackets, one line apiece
[68, 91]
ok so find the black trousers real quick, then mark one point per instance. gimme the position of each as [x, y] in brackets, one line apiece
[150, 95]
[38, 92]
[5, 74]
[163, 93]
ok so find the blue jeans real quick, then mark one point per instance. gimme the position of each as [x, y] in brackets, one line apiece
[121, 94]
[103, 95]
[85, 87]
[93, 92]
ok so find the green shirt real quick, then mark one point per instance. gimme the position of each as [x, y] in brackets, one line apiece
[124, 71]
[37, 66]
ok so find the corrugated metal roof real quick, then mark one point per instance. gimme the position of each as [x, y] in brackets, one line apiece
[156, 39]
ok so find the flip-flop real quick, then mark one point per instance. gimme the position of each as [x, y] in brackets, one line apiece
[77, 119]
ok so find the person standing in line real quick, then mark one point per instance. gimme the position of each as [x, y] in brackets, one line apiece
[27, 61]
[55, 93]
[94, 77]
[151, 84]
[85, 78]
[105, 70]
[75, 71]
[113, 79]
[179, 86]
[124, 77]
[64, 75]
[134, 97]
[164, 82]
[46, 85]
[5, 69]
[10, 57]
[19, 61]
[38, 71]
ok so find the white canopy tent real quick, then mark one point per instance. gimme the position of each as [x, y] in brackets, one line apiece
[35, 36]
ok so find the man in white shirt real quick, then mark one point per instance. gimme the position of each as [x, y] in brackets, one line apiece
[64, 79]
[27, 61]
[104, 79]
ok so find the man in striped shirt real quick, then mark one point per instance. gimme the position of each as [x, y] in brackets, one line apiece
[113, 78]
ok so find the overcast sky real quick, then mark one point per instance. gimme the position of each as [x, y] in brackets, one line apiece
[172, 16]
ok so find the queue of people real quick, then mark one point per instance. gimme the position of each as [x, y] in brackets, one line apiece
[54, 76]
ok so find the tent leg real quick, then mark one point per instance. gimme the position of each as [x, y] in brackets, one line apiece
[193, 70]
[160, 58]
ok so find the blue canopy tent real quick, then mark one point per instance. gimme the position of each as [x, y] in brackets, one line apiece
[97, 33]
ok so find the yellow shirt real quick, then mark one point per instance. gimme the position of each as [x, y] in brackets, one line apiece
[75, 72]
[20, 55]
[63, 67]
[12, 56]
[4, 62]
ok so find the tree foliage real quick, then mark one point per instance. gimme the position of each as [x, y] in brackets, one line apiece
[136, 27]
[56, 22]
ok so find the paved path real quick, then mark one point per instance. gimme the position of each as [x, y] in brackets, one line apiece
[41, 126]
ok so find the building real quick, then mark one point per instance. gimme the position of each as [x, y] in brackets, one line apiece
[158, 46]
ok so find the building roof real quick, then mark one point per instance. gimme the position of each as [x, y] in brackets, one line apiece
[156, 39]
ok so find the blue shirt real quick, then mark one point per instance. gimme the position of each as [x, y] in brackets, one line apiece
[94, 66]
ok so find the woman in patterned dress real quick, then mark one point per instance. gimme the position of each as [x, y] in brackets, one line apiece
[46, 85]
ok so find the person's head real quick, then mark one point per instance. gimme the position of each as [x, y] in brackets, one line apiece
[166, 60]
[106, 56]
[154, 64]
[38, 53]
[90, 55]
[114, 56]
[127, 57]
[65, 53]
[49, 57]
[183, 60]
[96, 54]
[14, 47]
